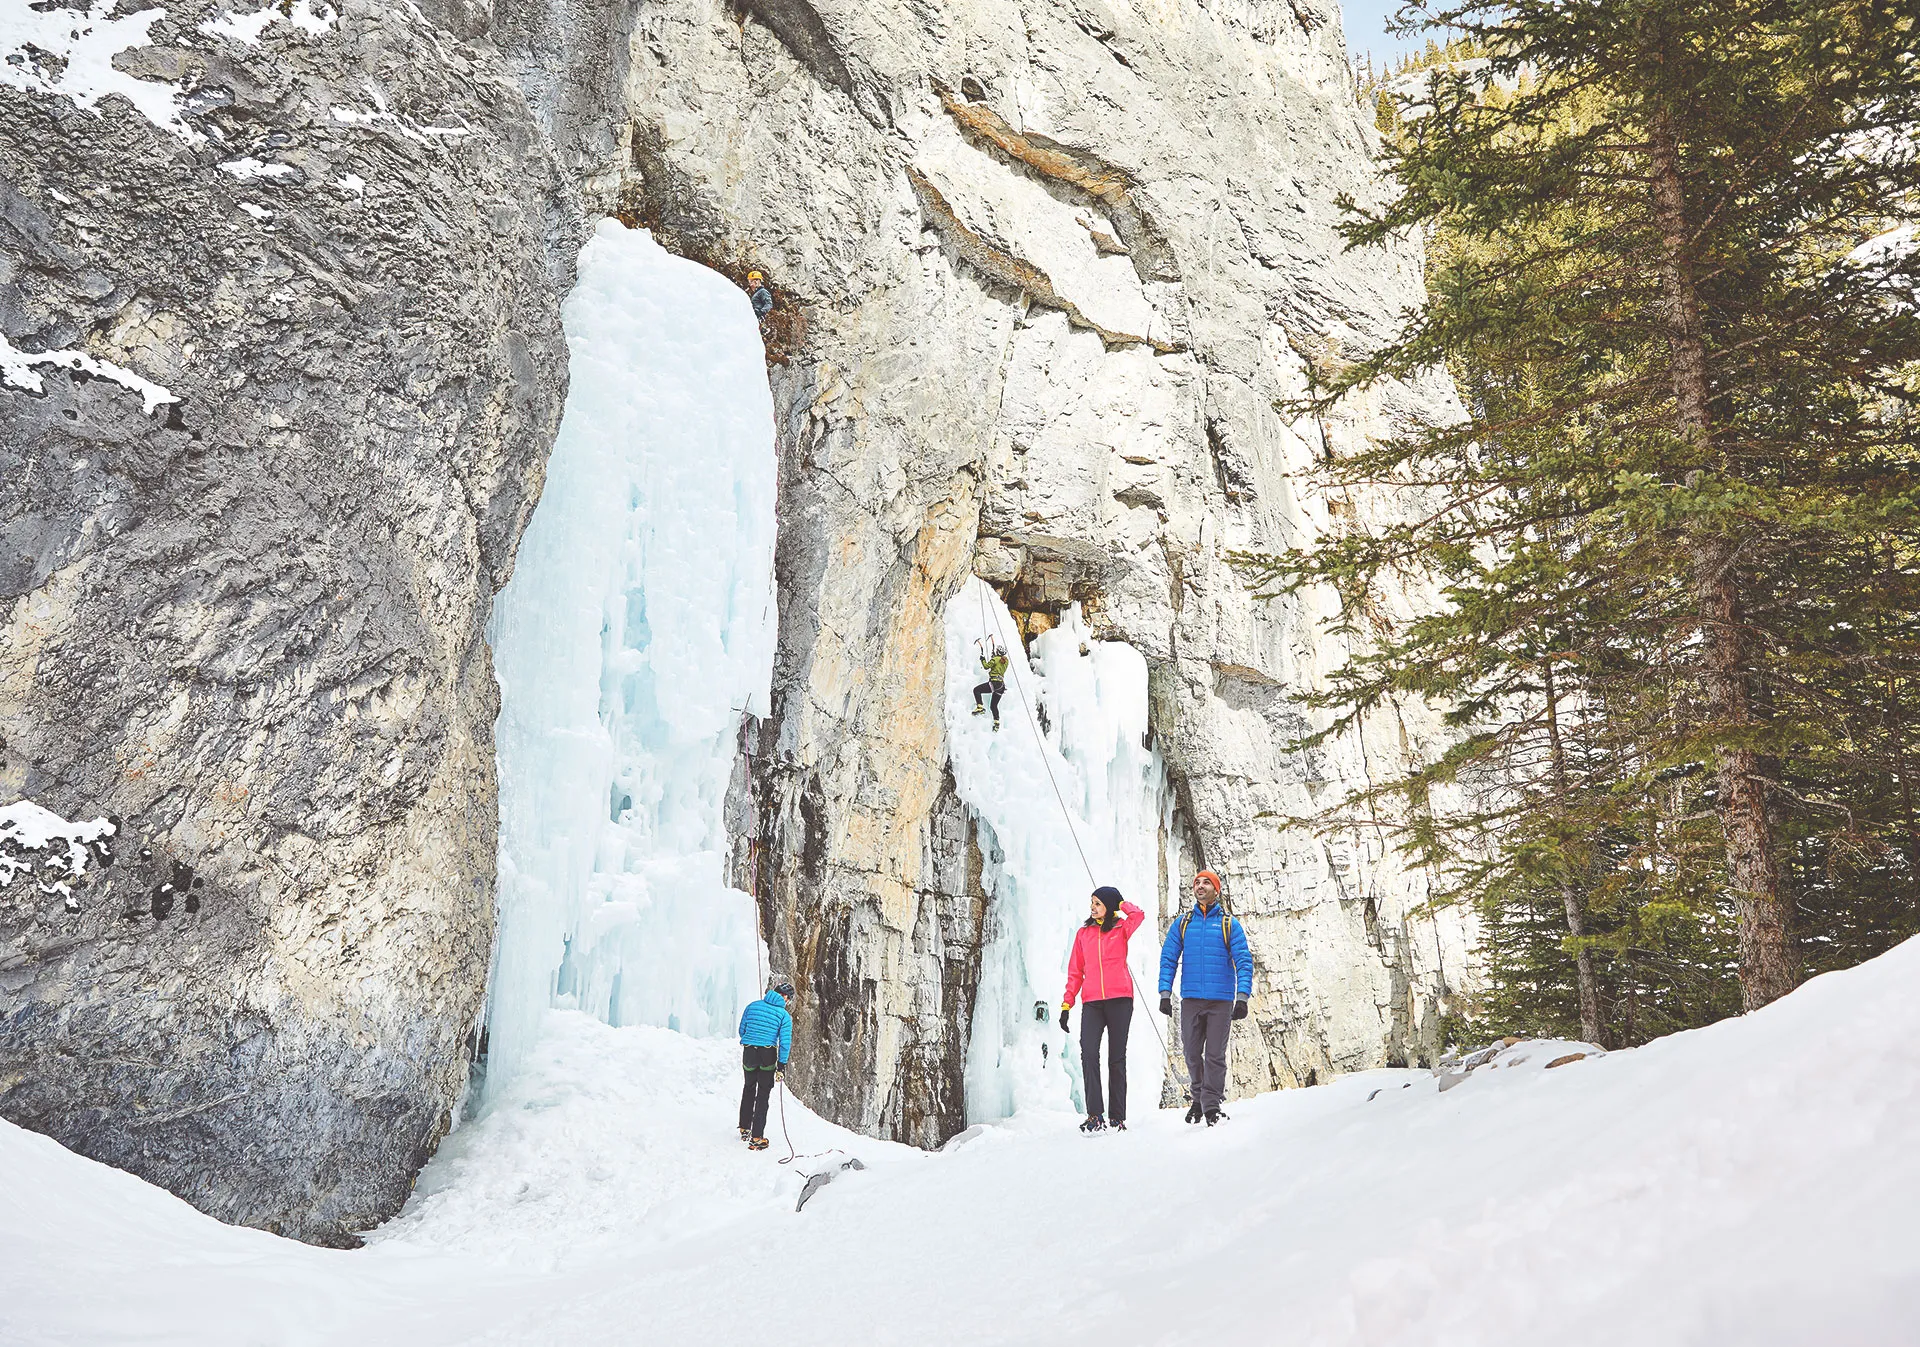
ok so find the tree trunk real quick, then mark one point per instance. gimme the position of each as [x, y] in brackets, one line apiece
[1591, 1028]
[1767, 964]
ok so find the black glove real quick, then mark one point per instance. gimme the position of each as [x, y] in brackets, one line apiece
[1166, 1005]
[1240, 1009]
[780, 1071]
[1063, 1020]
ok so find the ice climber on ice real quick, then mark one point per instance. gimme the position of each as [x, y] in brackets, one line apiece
[1098, 968]
[761, 297]
[766, 1037]
[1215, 983]
[995, 663]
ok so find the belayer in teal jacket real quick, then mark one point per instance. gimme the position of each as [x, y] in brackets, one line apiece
[766, 1037]
[766, 1024]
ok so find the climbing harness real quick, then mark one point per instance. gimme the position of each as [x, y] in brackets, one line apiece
[986, 612]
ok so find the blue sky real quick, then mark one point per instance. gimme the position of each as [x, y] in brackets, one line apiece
[1367, 30]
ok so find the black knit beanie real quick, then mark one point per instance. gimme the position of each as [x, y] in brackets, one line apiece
[1110, 896]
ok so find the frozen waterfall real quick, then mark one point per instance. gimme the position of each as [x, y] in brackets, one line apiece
[638, 626]
[1073, 718]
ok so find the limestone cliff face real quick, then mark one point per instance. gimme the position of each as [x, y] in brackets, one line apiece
[283, 363]
[1044, 272]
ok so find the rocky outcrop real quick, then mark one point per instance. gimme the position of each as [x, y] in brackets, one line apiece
[281, 365]
[1052, 270]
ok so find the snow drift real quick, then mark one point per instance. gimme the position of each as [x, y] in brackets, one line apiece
[1749, 1183]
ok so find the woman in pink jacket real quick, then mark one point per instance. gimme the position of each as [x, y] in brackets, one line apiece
[1098, 967]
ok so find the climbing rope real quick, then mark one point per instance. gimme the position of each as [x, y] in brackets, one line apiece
[780, 1088]
[1026, 706]
[753, 866]
[986, 612]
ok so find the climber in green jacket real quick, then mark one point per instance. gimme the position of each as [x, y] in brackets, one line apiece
[995, 663]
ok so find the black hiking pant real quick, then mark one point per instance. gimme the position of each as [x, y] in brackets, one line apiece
[1203, 1034]
[997, 688]
[1114, 1015]
[758, 1064]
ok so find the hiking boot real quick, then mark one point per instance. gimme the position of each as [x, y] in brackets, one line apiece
[757, 1144]
[1094, 1123]
[746, 1135]
[1214, 1115]
[979, 710]
[1119, 1126]
[996, 727]
[1193, 1114]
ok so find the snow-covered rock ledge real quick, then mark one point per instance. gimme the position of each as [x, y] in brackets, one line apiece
[44, 853]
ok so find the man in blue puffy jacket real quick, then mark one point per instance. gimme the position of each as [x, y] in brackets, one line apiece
[766, 1037]
[1214, 986]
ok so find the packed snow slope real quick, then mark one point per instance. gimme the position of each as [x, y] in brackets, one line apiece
[1750, 1183]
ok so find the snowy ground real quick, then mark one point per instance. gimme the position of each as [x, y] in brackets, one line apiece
[1753, 1183]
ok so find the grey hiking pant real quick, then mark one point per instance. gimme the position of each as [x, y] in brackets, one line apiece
[1203, 1034]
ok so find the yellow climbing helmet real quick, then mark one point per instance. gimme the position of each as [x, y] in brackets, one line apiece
[753, 276]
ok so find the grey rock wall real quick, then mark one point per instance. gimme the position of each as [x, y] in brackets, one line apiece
[247, 622]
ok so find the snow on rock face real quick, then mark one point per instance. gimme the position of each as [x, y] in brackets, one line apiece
[637, 631]
[71, 53]
[307, 16]
[20, 369]
[1749, 1183]
[53, 853]
[1042, 277]
[260, 486]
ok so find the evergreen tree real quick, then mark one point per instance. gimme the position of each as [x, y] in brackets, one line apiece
[1677, 531]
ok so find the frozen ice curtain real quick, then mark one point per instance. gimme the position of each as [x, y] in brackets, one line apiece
[1070, 764]
[638, 626]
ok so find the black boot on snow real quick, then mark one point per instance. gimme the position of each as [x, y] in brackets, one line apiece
[1094, 1123]
[1193, 1114]
[1214, 1115]
[996, 727]
[1119, 1127]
